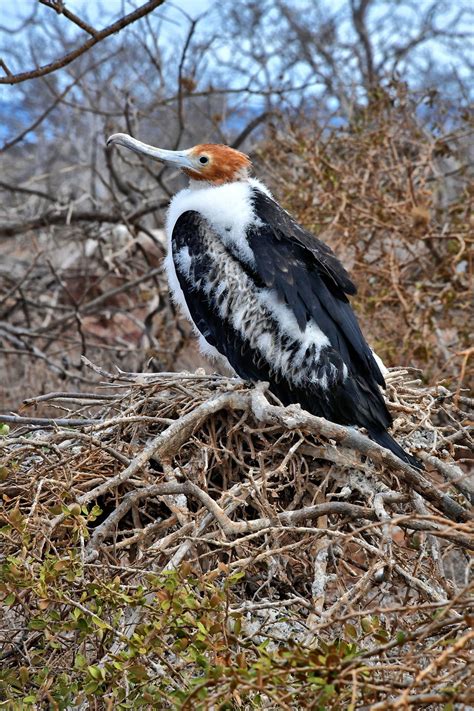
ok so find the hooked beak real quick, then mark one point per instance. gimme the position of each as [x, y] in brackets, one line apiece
[177, 158]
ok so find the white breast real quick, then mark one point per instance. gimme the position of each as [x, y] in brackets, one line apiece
[228, 208]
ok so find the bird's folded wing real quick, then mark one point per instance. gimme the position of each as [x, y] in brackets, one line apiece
[247, 310]
[311, 281]
[205, 274]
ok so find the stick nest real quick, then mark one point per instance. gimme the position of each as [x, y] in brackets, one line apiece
[174, 535]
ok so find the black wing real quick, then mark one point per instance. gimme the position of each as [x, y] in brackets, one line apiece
[306, 276]
[192, 233]
[311, 281]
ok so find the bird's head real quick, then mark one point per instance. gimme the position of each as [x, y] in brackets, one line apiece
[212, 163]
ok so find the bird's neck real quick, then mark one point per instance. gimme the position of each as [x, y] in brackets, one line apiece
[239, 176]
[196, 185]
[205, 185]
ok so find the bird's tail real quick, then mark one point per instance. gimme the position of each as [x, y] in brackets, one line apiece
[386, 440]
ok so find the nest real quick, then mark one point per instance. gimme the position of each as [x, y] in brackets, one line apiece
[333, 547]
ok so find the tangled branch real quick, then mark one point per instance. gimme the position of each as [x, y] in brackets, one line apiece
[95, 38]
[318, 523]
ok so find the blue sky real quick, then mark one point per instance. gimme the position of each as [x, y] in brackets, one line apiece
[102, 12]
[99, 12]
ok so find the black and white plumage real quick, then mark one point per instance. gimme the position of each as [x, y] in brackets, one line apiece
[271, 299]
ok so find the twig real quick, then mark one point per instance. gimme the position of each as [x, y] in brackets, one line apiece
[71, 56]
[48, 421]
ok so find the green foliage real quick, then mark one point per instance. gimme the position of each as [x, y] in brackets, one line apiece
[186, 650]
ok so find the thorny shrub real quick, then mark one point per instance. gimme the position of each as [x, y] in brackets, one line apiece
[394, 200]
[192, 546]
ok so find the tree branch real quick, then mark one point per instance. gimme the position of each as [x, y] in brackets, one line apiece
[71, 56]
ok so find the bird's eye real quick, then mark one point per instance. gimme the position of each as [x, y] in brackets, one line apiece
[204, 159]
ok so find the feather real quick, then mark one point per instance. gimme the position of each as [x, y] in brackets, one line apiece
[306, 273]
[280, 316]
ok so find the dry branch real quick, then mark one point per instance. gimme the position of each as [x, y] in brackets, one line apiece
[96, 37]
[323, 526]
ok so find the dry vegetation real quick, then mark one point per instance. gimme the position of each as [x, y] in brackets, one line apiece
[395, 202]
[178, 539]
[193, 544]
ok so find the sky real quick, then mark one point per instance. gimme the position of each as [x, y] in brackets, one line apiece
[101, 13]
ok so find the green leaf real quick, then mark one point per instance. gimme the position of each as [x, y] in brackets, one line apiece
[96, 673]
[37, 624]
[366, 624]
[237, 625]
[234, 578]
[80, 661]
[91, 687]
[351, 631]
[375, 622]
[100, 623]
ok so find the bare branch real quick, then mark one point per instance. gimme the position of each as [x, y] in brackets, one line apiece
[97, 37]
[61, 9]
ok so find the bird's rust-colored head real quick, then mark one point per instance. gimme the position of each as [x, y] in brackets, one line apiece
[212, 163]
[218, 164]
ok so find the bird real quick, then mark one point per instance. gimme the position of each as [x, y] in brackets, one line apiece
[266, 296]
